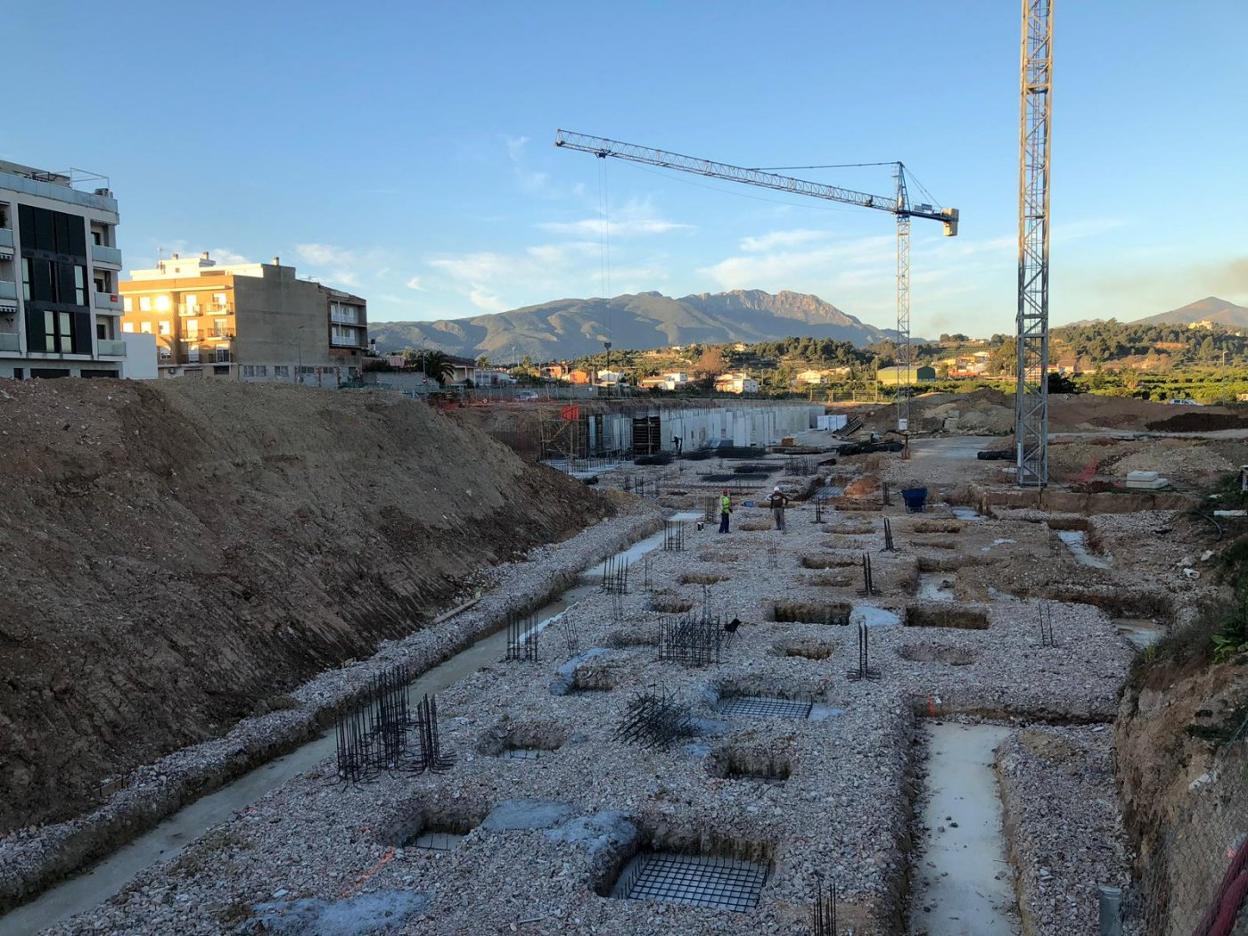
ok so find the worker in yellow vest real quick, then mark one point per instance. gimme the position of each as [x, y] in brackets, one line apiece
[725, 510]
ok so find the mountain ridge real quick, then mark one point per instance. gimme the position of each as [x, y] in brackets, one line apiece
[1211, 309]
[565, 328]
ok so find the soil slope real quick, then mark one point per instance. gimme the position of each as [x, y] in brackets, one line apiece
[179, 554]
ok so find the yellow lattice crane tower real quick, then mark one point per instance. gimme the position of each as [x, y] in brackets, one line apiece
[1031, 395]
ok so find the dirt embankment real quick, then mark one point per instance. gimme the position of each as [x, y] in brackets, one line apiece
[1183, 782]
[991, 412]
[177, 555]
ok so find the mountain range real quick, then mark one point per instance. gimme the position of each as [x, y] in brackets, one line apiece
[568, 328]
[1210, 309]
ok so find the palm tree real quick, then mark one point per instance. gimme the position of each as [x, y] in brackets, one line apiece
[437, 365]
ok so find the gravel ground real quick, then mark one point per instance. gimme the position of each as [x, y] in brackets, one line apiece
[1062, 825]
[32, 858]
[844, 811]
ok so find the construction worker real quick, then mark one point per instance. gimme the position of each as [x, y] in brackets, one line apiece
[777, 502]
[725, 509]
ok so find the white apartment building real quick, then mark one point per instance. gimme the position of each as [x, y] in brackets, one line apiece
[60, 308]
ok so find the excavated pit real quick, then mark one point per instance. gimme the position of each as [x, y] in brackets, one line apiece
[523, 741]
[946, 615]
[702, 578]
[433, 828]
[706, 870]
[828, 562]
[829, 580]
[593, 677]
[798, 612]
[809, 648]
[937, 653]
[749, 764]
[670, 604]
[623, 638]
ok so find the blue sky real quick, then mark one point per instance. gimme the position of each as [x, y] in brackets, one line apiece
[404, 150]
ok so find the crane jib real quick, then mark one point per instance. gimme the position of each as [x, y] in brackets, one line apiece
[898, 205]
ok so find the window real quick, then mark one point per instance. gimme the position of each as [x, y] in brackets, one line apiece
[145, 328]
[145, 303]
[192, 328]
[127, 304]
[162, 304]
[58, 332]
[101, 330]
[165, 328]
[26, 278]
[4, 216]
[192, 303]
[128, 327]
[97, 239]
[221, 327]
[281, 370]
[220, 299]
[80, 285]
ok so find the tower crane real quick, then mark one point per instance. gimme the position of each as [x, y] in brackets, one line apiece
[897, 204]
[1031, 393]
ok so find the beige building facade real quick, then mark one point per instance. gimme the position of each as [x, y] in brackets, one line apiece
[249, 321]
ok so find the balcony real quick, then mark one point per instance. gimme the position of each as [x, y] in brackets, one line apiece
[109, 347]
[6, 243]
[338, 342]
[10, 342]
[345, 316]
[105, 256]
[218, 334]
[108, 302]
[8, 290]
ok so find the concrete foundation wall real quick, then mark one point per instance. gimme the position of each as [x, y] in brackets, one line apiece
[744, 424]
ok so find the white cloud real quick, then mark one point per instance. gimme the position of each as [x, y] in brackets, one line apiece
[474, 267]
[326, 254]
[515, 146]
[640, 227]
[485, 300]
[634, 218]
[530, 181]
[774, 239]
[226, 257]
[780, 269]
[414, 283]
[343, 266]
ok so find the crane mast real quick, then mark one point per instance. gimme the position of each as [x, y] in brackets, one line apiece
[897, 204]
[1031, 395]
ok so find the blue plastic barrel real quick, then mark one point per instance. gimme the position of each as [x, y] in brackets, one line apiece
[915, 498]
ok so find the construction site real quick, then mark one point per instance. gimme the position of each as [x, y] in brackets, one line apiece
[888, 717]
[283, 660]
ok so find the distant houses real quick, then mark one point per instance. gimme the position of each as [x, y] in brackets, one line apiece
[736, 383]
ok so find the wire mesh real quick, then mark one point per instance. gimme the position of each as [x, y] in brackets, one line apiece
[699, 880]
[1193, 878]
[742, 706]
